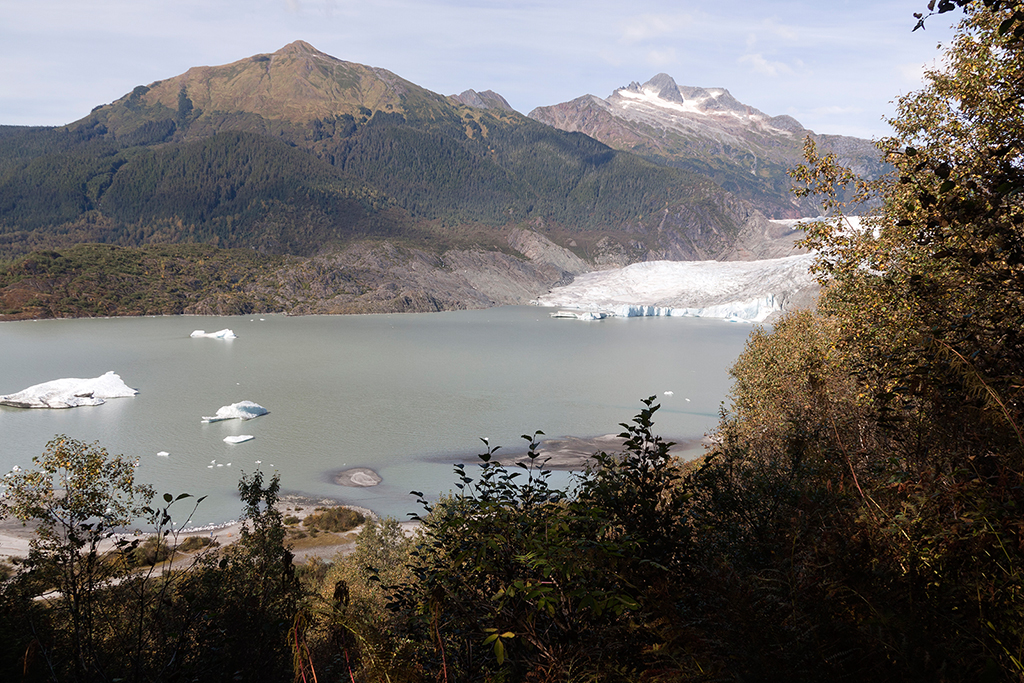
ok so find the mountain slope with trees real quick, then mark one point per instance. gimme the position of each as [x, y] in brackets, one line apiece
[202, 157]
[298, 153]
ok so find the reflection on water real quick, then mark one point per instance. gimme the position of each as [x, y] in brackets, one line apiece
[402, 395]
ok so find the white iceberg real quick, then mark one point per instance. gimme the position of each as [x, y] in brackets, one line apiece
[219, 334]
[70, 392]
[741, 290]
[243, 410]
[241, 438]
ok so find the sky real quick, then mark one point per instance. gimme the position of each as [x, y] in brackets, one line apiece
[835, 66]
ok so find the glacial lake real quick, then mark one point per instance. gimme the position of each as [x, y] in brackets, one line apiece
[405, 395]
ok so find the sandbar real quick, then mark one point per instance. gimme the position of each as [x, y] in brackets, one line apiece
[357, 476]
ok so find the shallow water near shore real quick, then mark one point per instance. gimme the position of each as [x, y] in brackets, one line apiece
[403, 395]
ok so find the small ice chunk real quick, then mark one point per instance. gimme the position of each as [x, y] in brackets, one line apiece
[241, 438]
[243, 410]
[70, 392]
[163, 453]
[670, 393]
[219, 334]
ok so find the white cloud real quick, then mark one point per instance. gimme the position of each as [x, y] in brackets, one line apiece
[781, 31]
[662, 58]
[759, 65]
[835, 110]
[647, 27]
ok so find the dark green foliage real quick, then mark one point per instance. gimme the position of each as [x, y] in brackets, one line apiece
[116, 617]
[514, 579]
[250, 592]
[520, 170]
[232, 190]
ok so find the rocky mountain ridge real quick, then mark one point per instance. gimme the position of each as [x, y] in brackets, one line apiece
[709, 131]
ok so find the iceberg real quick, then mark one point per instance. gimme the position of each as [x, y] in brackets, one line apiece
[241, 438]
[219, 334]
[70, 392]
[734, 290]
[243, 410]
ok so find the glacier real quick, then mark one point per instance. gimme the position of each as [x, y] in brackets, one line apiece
[70, 392]
[749, 291]
[243, 410]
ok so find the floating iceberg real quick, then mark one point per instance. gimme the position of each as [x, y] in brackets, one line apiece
[737, 290]
[241, 438]
[219, 334]
[580, 315]
[70, 393]
[243, 410]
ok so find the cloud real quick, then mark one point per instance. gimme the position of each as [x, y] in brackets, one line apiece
[759, 65]
[835, 110]
[782, 31]
[662, 58]
[914, 74]
[647, 27]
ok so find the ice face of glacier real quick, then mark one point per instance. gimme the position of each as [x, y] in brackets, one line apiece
[243, 410]
[70, 392]
[741, 290]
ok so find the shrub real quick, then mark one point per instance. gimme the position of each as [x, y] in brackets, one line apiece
[196, 542]
[334, 519]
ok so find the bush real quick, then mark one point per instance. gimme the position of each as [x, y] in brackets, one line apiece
[196, 542]
[152, 551]
[333, 519]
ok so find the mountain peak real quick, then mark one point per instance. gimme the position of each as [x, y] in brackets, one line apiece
[296, 85]
[300, 47]
[666, 88]
[488, 99]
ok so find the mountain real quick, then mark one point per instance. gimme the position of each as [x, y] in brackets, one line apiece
[369, 177]
[488, 99]
[708, 131]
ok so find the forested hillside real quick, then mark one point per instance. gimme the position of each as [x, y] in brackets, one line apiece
[297, 152]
